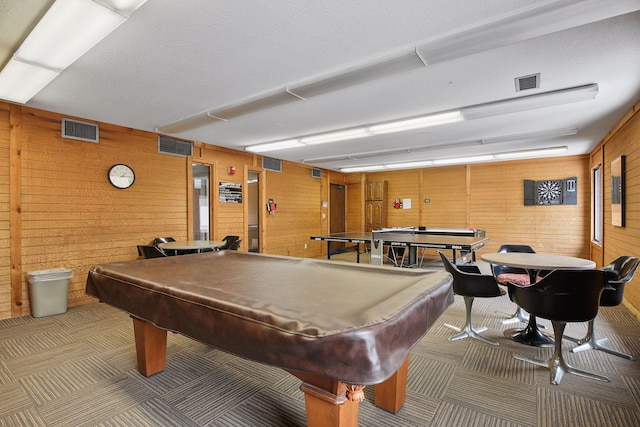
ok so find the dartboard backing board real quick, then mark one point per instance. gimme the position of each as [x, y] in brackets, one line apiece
[549, 192]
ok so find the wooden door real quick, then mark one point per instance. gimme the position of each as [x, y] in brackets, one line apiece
[368, 216]
[337, 209]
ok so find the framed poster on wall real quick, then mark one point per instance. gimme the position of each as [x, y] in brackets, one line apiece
[617, 192]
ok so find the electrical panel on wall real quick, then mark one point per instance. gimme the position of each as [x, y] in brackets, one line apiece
[551, 192]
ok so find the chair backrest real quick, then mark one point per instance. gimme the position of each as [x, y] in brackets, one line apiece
[563, 295]
[159, 240]
[471, 282]
[516, 248]
[231, 243]
[503, 269]
[148, 251]
[624, 268]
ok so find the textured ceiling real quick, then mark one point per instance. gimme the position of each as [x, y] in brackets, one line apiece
[173, 60]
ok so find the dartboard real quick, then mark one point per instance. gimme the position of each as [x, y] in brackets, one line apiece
[549, 192]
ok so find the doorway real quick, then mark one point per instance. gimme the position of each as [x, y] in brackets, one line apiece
[337, 218]
[253, 211]
[201, 193]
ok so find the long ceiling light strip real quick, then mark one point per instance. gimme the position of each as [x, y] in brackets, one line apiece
[361, 132]
[417, 123]
[280, 145]
[531, 102]
[68, 30]
[548, 17]
[347, 78]
[543, 18]
[506, 106]
[300, 92]
[527, 136]
[509, 155]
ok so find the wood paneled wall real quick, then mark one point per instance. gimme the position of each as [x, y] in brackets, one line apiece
[299, 197]
[624, 140]
[490, 196]
[68, 215]
[57, 208]
[5, 222]
[497, 204]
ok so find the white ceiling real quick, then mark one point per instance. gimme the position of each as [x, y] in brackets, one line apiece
[176, 59]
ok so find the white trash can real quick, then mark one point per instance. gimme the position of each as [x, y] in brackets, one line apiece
[49, 291]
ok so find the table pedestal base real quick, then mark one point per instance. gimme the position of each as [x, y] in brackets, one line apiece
[529, 336]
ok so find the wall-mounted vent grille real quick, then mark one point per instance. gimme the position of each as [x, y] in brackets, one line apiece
[528, 82]
[82, 131]
[316, 173]
[174, 146]
[272, 164]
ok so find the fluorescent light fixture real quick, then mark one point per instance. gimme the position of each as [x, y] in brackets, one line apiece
[417, 123]
[20, 81]
[543, 134]
[363, 168]
[67, 31]
[531, 153]
[362, 132]
[459, 160]
[418, 164]
[531, 102]
[272, 146]
[543, 18]
[335, 136]
[347, 78]
[524, 154]
[254, 105]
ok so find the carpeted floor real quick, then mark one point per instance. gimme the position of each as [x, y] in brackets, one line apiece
[78, 369]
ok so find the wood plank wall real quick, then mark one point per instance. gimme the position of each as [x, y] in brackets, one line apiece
[71, 217]
[5, 228]
[299, 198]
[60, 211]
[490, 196]
[497, 205]
[624, 140]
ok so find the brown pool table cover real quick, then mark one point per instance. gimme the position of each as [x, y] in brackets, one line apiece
[353, 323]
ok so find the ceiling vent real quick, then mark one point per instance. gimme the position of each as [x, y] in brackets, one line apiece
[316, 173]
[82, 131]
[528, 82]
[272, 164]
[174, 146]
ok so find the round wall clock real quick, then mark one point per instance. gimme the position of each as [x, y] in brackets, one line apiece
[121, 176]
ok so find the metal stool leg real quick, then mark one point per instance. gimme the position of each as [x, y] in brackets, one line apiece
[469, 330]
[556, 364]
[589, 342]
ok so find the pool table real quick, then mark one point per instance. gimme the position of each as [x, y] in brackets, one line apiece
[336, 326]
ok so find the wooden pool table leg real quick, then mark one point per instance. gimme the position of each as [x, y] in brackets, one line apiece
[329, 408]
[327, 404]
[390, 395]
[151, 347]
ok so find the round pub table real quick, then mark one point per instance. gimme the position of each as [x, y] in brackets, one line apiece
[533, 263]
[191, 246]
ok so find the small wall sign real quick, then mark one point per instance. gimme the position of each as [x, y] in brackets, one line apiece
[230, 192]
